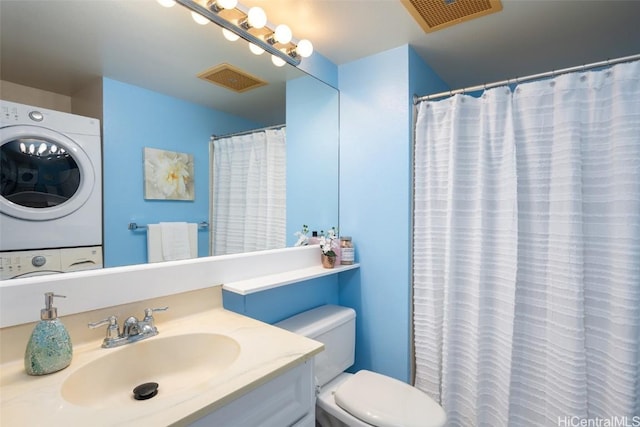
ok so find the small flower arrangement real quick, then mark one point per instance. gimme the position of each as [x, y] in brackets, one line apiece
[327, 242]
[303, 239]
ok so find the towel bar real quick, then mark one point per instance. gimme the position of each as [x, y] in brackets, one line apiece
[134, 226]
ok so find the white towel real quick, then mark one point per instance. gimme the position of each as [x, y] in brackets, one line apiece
[168, 241]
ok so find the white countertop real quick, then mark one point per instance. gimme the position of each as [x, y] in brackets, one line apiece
[265, 352]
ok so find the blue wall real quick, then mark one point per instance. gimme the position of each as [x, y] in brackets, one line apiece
[135, 118]
[375, 201]
[312, 139]
[276, 304]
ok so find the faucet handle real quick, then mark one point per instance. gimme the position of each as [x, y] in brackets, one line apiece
[111, 320]
[112, 330]
[148, 312]
[148, 318]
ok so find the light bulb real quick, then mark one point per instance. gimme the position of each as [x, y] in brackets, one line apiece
[277, 61]
[305, 48]
[282, 34]
[166, 3]
[199, 18]
[227, 4]
[256, 17]
[230, 35]
[256, 50]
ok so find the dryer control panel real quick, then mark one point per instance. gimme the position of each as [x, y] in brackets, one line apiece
[16, 264]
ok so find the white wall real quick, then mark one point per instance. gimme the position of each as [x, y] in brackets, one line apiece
[30, 96]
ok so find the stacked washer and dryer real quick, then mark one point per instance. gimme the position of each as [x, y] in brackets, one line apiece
[50, 191]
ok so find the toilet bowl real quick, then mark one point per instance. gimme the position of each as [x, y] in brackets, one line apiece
[328, 413]
[363, 399]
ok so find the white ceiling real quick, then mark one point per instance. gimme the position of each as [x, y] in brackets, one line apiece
[59, 45]
[526, 37]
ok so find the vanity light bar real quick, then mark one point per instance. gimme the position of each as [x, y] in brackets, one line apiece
[291, 58]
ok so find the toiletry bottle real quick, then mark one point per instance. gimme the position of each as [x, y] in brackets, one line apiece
[347, 249]
[49, 349]
[314, 239]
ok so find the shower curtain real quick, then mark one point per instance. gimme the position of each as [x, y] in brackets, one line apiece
[248, 192]
[527, 252]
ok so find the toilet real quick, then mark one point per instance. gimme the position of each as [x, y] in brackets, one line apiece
[363, 399]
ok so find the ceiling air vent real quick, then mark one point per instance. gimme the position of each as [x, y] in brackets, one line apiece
[232, 78]
[434, 15]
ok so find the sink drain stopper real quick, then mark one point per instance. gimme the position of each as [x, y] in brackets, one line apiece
[145, 391]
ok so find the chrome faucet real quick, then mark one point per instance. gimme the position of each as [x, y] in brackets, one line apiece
[133, 329]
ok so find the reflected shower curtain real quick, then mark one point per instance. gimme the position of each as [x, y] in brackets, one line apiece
[527, 252]
[249, 192]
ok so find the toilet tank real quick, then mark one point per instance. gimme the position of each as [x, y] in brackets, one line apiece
[335, 327]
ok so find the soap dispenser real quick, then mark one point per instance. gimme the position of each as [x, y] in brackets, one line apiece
[49, 349]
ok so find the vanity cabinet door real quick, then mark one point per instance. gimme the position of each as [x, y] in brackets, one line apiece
[286, 400]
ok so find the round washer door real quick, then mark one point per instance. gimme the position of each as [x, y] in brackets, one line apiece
[44, 175]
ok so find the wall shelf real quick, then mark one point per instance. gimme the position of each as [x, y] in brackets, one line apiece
[263, 283]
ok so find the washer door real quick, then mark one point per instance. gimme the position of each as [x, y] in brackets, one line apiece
[44, 175]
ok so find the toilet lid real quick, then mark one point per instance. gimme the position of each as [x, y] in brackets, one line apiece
[386, 402]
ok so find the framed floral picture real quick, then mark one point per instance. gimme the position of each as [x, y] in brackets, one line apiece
[168, 175]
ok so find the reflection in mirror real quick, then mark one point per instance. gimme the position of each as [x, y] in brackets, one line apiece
[248, 191]
[312, 156]
[311, 177]
[142, 84]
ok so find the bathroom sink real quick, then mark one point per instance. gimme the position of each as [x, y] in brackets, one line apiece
[179, 364]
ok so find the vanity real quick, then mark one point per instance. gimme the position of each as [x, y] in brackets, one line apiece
[213, 366]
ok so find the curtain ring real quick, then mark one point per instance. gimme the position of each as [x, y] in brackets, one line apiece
[608, 72]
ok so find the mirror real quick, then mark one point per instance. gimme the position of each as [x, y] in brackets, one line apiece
[135, 65]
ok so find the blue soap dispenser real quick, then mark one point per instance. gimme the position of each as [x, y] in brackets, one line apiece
[49, 349]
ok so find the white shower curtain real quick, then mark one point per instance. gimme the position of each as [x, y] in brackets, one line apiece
[527, 251]
[248, 192]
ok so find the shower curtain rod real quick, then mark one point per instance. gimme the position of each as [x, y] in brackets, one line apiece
[247, 132]
[418, 99]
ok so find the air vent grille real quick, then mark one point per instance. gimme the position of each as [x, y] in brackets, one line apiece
[434, 15]
[232, 78]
